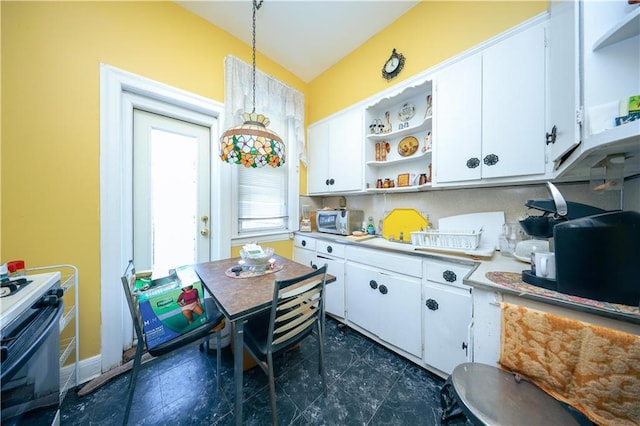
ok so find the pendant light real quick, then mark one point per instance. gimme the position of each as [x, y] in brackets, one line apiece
[252, 144]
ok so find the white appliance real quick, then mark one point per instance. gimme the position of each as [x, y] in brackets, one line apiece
[30, 311]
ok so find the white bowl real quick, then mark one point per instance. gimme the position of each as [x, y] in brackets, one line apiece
[526, 247]
[257, 262]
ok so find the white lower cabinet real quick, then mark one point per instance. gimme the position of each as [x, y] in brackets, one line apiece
[487, 318]
[447, 315]
[385, 302]
[447, 320]
[315, 253]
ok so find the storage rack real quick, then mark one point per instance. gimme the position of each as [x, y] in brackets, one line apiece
[69, 377]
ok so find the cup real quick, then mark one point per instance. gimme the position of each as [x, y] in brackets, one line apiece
[544, 265]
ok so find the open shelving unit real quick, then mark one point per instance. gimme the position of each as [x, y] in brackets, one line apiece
[69, 336]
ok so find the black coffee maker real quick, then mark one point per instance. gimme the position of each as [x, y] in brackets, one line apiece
[596, 251]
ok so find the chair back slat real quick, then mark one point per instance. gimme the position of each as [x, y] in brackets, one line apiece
[295, 310]
[296, 331]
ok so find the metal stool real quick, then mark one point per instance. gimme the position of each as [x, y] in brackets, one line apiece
[490, 396]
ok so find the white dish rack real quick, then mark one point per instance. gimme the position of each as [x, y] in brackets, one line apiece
[465, 239]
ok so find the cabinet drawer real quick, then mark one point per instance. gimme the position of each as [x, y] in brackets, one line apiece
[446, 272]
[330, 248]
[402, 264]
[304, 242]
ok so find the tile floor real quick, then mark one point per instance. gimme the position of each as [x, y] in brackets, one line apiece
[367, 385]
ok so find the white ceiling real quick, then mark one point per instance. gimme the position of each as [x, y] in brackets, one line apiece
[305, 36]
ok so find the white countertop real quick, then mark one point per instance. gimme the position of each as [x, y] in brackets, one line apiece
[498, 264]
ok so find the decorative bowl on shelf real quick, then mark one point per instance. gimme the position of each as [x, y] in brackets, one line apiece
[257, 262]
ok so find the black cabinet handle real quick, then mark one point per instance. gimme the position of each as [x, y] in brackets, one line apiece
[373, 284]
[432, 304]
[383, 289]
[313, 265]
[331, 181]
[326, 182]
[473, 162]
[551, 137]
[329, 249]
[490, 160]
[449, 276]
[304, 243]
[464, 346]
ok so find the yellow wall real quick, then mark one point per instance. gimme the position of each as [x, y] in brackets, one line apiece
[429, 33]
[51, 53]
[50, 153]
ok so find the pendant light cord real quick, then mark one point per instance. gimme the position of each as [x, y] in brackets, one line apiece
[256, 7]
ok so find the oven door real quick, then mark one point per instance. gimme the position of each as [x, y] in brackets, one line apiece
[30, 376]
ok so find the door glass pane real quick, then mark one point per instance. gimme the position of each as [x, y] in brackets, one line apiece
[174, 196]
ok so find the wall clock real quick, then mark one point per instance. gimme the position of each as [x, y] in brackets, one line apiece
[393, 65]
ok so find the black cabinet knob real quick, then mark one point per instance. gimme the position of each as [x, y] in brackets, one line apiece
[326, 182]
[304, 243]
[373, 284]
[432, 304]
[383, 289]
[464, 346]
[329, 249]
[331, 181]
[473, 162]
[449, 276]
[490, 160]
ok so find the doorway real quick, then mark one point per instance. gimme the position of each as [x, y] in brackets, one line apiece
[171, 187]
[120, 93]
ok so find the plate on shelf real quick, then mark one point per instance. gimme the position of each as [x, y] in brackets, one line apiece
[406, 112]
[408, 146]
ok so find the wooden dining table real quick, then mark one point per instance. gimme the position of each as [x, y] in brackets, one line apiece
[243, 296]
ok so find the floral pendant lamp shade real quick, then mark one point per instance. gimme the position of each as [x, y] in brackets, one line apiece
[252, 144]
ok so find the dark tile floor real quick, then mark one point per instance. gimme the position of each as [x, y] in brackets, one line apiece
[367, 385]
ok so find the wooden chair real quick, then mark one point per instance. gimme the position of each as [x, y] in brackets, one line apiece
[296, 312]
[215, 323]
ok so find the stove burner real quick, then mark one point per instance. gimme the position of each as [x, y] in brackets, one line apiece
[10, 287]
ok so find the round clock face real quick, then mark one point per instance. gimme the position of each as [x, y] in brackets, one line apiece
[393, 65]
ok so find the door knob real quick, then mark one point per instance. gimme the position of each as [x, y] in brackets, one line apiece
[204, 232]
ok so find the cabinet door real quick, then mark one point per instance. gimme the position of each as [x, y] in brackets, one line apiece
[362, 296]
[398, 312]
[318, 149]
[487, 320]
[447, 321]
[346, 151]
[305, 257]
[458, 132]
[564, 83]
[334, 292]
[513, 93]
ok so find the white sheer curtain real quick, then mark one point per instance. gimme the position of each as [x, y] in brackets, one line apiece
[265, 199]
[273, 98]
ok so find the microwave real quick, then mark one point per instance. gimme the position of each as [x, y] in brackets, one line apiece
[341, 222]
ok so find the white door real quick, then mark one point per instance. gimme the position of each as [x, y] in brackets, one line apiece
[171, 192]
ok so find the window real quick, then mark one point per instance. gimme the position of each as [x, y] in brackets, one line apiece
[265, 200]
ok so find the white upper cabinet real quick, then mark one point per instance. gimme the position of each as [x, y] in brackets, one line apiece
[513, 89]
[490, 115]
[459, 121]
[563, 108]
[605, 37]
[335, 154]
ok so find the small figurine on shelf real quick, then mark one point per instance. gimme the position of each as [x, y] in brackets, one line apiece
[387, 124]
[378, 151]
[427, 142]
[429, 110]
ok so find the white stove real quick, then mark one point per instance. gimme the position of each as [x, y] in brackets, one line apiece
[13, 304]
